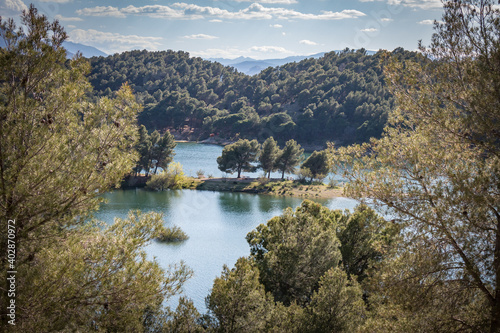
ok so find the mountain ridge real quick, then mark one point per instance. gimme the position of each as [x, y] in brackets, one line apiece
[251, 66]
[87, 51]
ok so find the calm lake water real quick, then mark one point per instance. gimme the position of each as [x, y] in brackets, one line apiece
[216, 222]
[195, 157]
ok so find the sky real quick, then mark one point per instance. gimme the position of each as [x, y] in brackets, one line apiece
[260, 29]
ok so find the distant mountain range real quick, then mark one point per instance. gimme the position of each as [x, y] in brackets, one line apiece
[245, 65]
[85, 50]
[73, 48]
[252, 66]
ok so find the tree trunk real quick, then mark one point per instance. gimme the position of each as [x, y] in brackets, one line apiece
[269, 174]
[239, 173]
[495, 315]
[495, 308]
[283, 174]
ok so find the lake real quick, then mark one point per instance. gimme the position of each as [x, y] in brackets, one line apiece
[195, 157]
[216, 222]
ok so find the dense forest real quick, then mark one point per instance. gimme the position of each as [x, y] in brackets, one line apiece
[340, 97]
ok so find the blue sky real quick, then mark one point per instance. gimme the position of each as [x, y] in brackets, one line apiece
[231, 28]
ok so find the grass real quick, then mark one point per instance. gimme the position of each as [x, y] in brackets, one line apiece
[264, 186]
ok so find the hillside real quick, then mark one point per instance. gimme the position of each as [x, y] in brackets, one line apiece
[339, 97]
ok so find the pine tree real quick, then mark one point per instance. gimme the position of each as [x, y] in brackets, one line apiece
[289, 158]
[58, 152]
[436, 171]
[268, 156]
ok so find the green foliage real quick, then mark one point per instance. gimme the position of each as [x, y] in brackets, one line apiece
[303, 173]
[101, 280]
[294, 250]
[366, 238]
[237, 157]
[317, 164]
[238, 301]
[185, 319]
[290, 156]
[268, 156]
[172, 178]
[172, 235]
[340, 97]
[291, 319]
[436, 171]
[155, 151]
[337, 306]
[295, 258]
[59, 151]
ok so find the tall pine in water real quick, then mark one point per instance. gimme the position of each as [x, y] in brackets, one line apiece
[58, 152]
[437, 171]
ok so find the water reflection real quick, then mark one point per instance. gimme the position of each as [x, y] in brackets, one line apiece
[236, 202]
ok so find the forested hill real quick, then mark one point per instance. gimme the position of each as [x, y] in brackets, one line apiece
[340, 97]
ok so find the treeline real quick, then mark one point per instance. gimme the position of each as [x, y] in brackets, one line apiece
[340, 97]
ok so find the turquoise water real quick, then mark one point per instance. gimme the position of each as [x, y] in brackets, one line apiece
[216, 222]
[194, 157]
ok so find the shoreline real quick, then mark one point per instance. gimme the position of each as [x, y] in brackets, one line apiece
[273, 186]
[280, 187]
[277, 187]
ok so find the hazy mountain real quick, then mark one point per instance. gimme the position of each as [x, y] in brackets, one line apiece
[252, 66]
[85, 50]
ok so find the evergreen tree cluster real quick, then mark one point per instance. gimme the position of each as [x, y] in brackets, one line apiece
[340, 97]
[241, 155]
[305, 273]
[155, 151]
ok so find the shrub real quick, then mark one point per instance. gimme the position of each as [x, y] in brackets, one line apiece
[171, 235]
[172, 178]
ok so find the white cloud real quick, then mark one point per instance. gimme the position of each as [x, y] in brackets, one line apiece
[10, 8]
[200, 36]
[308, 42]
[68, 19]
[228, 53]
[216, 21]
[113, 42]
[190, 11]
[426, 22]
[277, 26]
[269, 49]
[386, 19]
[421, 4]
[281, 2]
[369, 30]
[57, 1]
[256, 52]
[101, 11]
